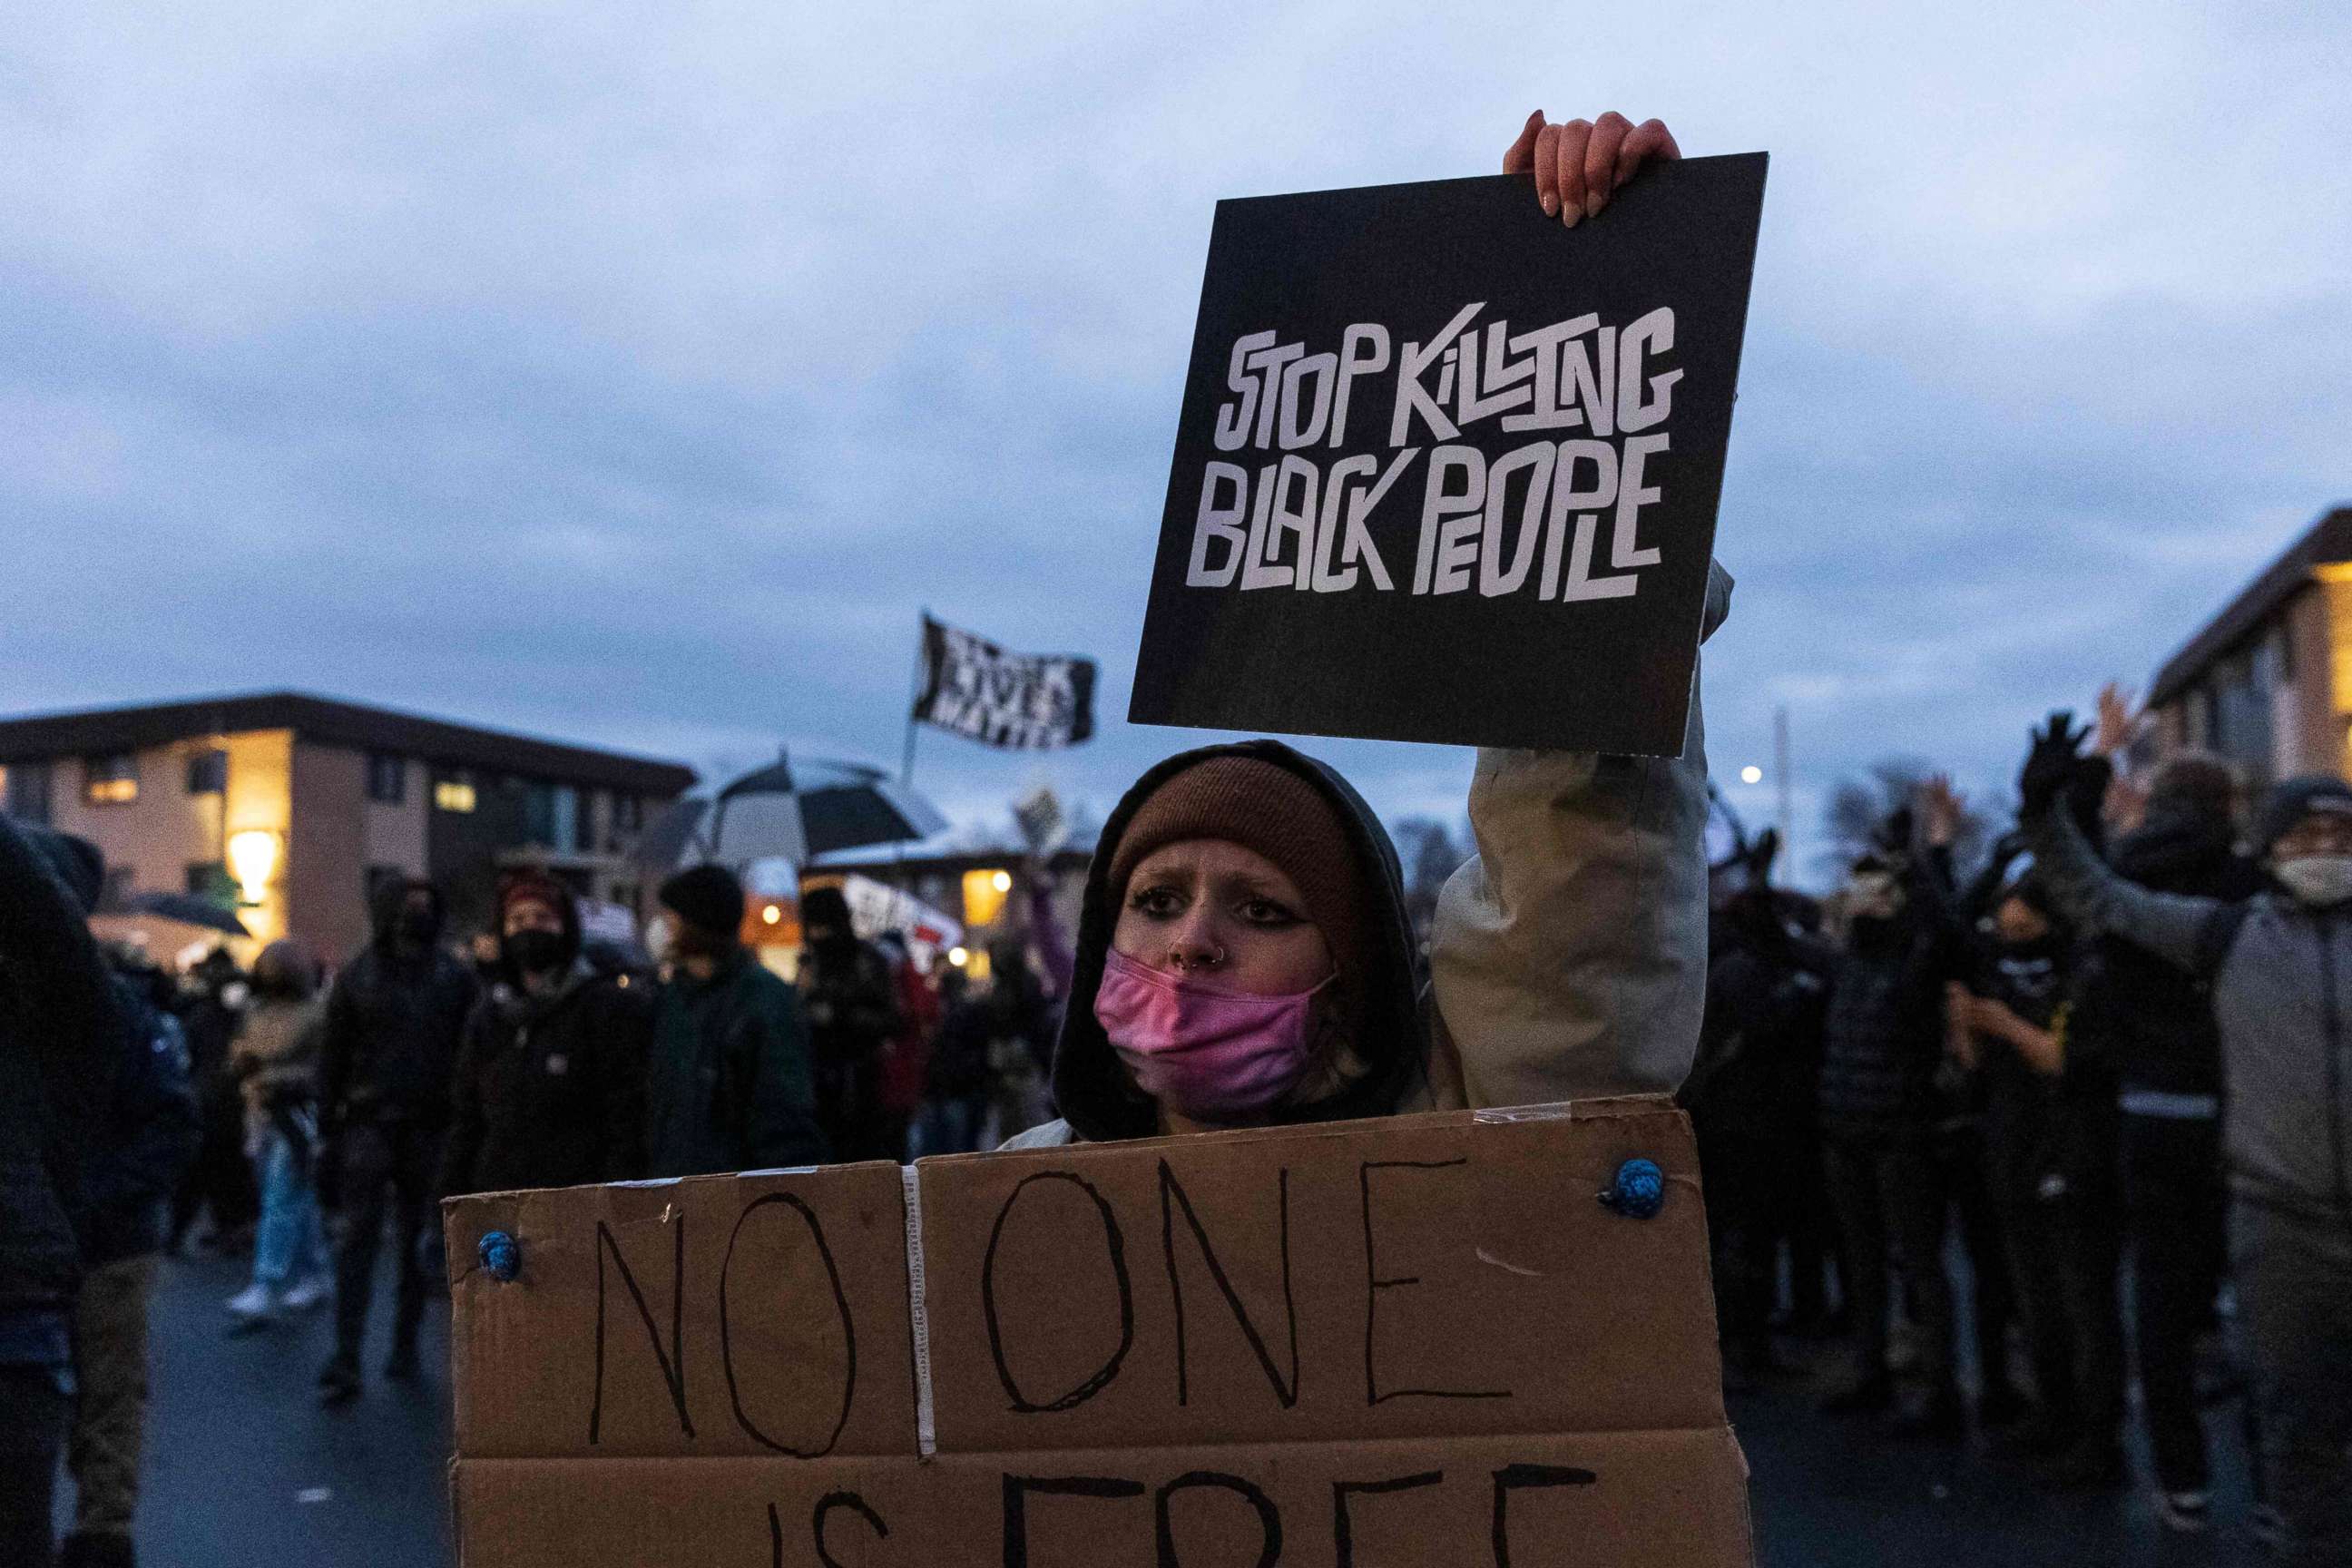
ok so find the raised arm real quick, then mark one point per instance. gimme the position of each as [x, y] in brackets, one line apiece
[2176, 926]
[1568, 955]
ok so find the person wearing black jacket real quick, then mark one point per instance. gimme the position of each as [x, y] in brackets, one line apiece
[550, 1083]
[1008, 1024]
[1882, 1044]
[220, 1179]
[1748, 1096]
[133, 1167]
[62, 1043]
[2155, 1023]
[393, 1022]
[2051, 1166]
[851, 1000]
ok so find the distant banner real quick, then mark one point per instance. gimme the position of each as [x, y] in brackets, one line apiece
[1023, 702]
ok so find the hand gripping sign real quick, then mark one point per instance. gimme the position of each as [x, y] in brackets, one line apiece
[1447, 470]
[1466, 1338]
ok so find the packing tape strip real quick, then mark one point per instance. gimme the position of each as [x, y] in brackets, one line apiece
[919, 1315]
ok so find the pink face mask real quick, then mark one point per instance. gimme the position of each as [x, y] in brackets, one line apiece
[1212, 1056]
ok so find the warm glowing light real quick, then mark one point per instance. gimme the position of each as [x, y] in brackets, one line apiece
[1751, 774]
[983, 896]
[771, 915]
[958, 957]
[454, 794]
[252, 860]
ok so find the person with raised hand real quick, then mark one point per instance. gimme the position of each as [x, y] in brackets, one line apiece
[1243, 957]
[2279, 965]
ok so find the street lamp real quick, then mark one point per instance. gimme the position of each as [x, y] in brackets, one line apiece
[253, 861]
[1751, 774]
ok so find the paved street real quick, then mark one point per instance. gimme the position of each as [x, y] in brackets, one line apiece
[246, 1470]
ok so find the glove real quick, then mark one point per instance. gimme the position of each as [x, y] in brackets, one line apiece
[2049, 766]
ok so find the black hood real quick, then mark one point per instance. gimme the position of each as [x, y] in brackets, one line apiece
[1090, 1084]
[2176, 850]
[389, 896]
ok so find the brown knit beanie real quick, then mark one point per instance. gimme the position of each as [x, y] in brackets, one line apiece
[1266, 807]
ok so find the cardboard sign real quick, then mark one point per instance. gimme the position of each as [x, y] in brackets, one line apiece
[1447, 470]
[1413, 1341]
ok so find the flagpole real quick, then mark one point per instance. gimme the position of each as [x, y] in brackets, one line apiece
[922, 667]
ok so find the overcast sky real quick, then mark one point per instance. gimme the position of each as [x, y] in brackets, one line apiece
[635, 374]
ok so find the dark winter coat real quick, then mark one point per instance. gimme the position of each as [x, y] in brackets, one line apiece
[1014, 1013]
[2155, 1019]
[2046, 1137]
[849, 997]
[60, 1048]
[147, 1139]
[726, 1082]
[1883, 1036]
[394, 1024]
[550, 1090]
[1759, 1053]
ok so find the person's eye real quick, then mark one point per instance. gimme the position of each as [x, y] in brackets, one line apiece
[1269, 913]
[1161, 902]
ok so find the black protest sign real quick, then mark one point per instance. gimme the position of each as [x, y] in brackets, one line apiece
[1017, 701]
[1447, 470]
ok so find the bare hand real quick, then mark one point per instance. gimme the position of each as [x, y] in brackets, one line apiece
[1579, 165]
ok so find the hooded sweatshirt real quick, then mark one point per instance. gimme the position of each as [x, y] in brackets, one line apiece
[2281, 975]
[61, 1048]
[393, 1021]
[1568, 957]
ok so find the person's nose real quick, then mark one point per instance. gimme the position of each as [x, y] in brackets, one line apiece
[1193, 946]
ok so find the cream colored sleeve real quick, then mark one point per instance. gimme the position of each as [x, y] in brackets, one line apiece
[1568, 955]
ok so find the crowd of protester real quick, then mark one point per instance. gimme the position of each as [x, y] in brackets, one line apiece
[313, 1120]
[2098, 1079]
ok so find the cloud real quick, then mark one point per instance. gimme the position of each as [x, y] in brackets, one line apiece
[637, 377]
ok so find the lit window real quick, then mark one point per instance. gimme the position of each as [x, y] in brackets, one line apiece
[983, 896]
[452, 795]
[111, 780]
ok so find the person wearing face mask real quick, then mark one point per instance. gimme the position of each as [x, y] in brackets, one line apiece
[275, 1062]
[2051, 1163]
[393, 1020]
[850, 998]
[1243, 957]
[727, 1082]
[2279, 966]
[550, 1083]
[1883, 1042]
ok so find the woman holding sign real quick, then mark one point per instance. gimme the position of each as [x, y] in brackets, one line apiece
[1243, 957]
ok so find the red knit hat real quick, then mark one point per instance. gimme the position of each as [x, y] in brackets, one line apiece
[1273, 811]
[529, 885]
